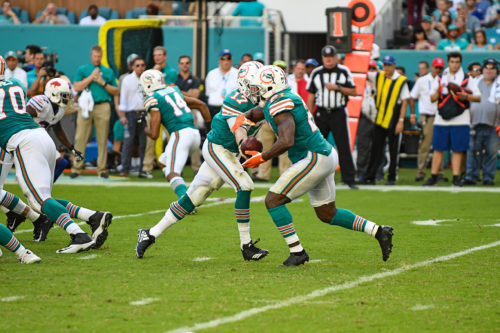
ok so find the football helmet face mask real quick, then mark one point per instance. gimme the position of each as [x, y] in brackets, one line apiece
[246, 72]
[150, 81]
[268, 81]
[3, 65]
[59, 92]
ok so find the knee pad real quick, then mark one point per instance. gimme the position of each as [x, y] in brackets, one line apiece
[198, 194]
[34, 204]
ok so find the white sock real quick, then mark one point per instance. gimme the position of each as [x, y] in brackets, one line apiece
[292, 239]
[20, 251]
[176, 181]
[74, 228]
[371, 228]
[166, 222]
[85, 214]
[32, 215]
[244, 229]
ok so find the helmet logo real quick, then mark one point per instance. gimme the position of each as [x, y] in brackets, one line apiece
[148, 79]
[243, 71]
[55, 83]
[267, 76]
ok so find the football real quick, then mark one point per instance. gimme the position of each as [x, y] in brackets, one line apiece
[456, 88]
[251, 143]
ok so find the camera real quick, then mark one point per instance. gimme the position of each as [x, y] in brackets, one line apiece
[50, 68]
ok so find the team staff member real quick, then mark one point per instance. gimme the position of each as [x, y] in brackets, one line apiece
[328, 87]
[391, 101]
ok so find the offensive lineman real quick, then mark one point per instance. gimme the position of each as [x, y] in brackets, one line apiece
[314, 162]
[167, 106]
[221, 164]
[34, 157]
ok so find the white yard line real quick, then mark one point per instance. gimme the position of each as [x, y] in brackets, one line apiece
[144, 301]
[202, 259]
[11, 298]
[420, 307]
[90, 256]
[322, 292]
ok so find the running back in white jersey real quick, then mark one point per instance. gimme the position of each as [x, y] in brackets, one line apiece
[47, 113]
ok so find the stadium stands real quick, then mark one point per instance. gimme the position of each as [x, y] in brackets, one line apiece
[22, 15]
[107, 13]
[61, 10]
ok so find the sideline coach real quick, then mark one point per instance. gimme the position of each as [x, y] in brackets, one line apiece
[329, 87]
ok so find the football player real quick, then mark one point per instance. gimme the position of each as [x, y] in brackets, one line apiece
[314, 162]
[169, 107]
[34, 157]
[221, 154]
[11, 243]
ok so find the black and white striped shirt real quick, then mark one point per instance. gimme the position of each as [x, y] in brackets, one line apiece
[339, 75]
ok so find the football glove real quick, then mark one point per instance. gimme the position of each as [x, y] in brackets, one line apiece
[78, 155]
[253, 161]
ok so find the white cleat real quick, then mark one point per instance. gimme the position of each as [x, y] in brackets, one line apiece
[28, 257]
[79, 242]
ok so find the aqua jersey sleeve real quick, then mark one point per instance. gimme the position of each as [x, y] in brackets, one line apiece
[280, 103]
[151, 103]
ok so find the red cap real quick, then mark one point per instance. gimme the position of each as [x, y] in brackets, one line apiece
[438, 62]
[373, 63]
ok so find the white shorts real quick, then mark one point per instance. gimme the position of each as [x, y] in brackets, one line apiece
[220, 163]
[313, 175]
[6, 162]
[35, 157]
[181, 144]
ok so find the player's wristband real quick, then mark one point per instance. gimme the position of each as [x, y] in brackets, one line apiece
[401, 119]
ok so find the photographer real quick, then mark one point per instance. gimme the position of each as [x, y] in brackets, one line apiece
[43, 72]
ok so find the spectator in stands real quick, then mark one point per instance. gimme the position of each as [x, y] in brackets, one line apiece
[473, 9]
[13, 70]
[259, 56]
[414, 6]
[220, 81]
[29, 56]
[131, 112]
[101, 84]
[152, 9]
[442, 24]
[432, 34]
[483, 150]
[8, 16]
[244, 58]
[93, 18]
[492, 18]
[249, 8]
[480, 43]
[453, 42]
[160, 59]
[452, 122]
[421, 92]
[419, 40]
[281, 64]
[50, 16]
[471, 22]
[311, 64]
[442, 9]
[463, 32]
[38, 74]
[297, 80]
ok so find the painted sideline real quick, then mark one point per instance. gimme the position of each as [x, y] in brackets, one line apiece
[322, 292]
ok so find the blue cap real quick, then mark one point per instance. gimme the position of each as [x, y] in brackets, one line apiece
[10, 54]
[311, 62]
[452, 27]
[389, 60]
[131, 58]
[225, 52]
[258, 56]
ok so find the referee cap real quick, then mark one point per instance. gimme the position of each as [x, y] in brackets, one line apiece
[328, 51]
[389, 60]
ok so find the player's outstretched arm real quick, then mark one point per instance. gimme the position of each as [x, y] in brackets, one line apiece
[61, 135]
[195, 103]
[256, 114]
[286, 136]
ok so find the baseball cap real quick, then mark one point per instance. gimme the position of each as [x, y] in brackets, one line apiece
[389, 60]
[437, 62]
[10, 54]
[279, 63]
[452, 27]
[490, 61]
[311, 62]
[373, 64]
[426, 18]
[131, 58]
[225, 52]
[328, 51]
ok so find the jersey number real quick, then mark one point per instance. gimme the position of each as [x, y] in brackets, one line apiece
[16, 96]
[239, 98]
[179, 105]
[310, 118]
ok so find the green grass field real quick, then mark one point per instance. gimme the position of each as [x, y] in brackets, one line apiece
[347, 287]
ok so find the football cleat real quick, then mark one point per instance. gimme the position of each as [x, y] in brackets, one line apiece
[14, 220]
[99, 222]
[28, 257]
[384, 237]
[42, 226]
[296, 259]
[144, 240]
[79, 242]
[252, 252]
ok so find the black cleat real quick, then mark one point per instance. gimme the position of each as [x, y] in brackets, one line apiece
[430, 182]
[252, 252]
[296, 259]
[42, 226]
[79, 242]
[14, 220]
[384, 237]
[144, 240]
[99, 222]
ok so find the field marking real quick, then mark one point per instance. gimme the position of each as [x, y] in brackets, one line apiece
[322, 292]
[316, 260]
[420, 307]
[202, 259]
[90, 256]
[11, 298]
[144, 301]
[493, 225]
[433, 222]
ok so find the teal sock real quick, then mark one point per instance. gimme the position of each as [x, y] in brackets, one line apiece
[182, 207]
[178, 185]
[242, 207]
[57, 213]
[347, 219]
[8, 240]
[72, 209]
[284, 222]
[9, 201]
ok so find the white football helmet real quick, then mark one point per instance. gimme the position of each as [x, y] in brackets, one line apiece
[245, 74]
[3, 65]
[268, 81]
[59, 92]
[151, 80]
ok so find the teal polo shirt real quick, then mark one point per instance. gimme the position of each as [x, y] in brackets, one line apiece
[170, 75]
[99, 94]
[31, 75]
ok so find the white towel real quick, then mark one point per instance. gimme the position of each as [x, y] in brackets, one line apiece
[86, 103]
[447, 77]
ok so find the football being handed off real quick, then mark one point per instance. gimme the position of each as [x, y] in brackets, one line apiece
[250, 144]
[455, 88]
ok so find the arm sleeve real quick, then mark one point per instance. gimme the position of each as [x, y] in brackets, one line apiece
[151, 103]
[282, 105]
[415, 92]
[311, 86]
[79, 75]
[405, 91]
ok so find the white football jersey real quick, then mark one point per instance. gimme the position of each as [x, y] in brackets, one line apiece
[46, 114]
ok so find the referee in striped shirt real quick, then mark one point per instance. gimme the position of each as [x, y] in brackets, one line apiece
[329, 87]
